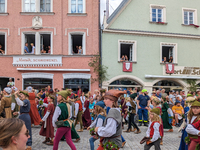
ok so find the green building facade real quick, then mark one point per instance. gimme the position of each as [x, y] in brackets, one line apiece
[152, 34]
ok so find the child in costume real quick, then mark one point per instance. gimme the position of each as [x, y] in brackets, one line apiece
[193, 127]
[62, 115]
[86, 115]
[165, 116]
[78, 113]
[132, 112]
[154, 130]
[156, 104]
[47, 129]
[112, 128]
[190, 99]
[98, 122]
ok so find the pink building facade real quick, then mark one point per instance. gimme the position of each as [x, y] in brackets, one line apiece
[56, 28]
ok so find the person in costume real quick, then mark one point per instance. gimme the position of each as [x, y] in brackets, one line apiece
[14, 106]
[98, 122]
[86, 118]
[25, 106]
[5, 106]
[143, 102]
[35, 117]
[193, 128]
[79, 92]
[112, 128]
[154, 130]
[165, 116]
[47, 129]
[190, 99]
[61, 114]
[78, 113]
[132, 112]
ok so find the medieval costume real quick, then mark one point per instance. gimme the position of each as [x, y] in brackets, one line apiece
[61, 114]
[192, 129]
[24, 114]
[112, 127]
[5, 107]
[47, 129]
[165, 117]
[35, 117]
[86, 115]
[78, 113]
[154, 132]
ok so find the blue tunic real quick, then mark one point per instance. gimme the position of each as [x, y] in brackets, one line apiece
[24, 115]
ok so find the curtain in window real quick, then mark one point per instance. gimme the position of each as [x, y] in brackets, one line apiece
[80, 6]
[73, 6]
[45, 5]
[2, 5]
[29, 5]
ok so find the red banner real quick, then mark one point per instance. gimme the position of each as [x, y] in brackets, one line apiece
[127, 66]
[169, 68]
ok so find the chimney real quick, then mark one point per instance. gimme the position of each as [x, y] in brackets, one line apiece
[107, 9]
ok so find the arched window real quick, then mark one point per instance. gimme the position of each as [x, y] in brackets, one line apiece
[124, 84]
[166, 83]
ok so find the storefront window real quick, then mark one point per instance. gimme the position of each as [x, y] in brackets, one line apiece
[74, 84]
[37, 83]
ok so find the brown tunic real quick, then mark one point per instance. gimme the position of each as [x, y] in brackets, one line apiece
[6, 106]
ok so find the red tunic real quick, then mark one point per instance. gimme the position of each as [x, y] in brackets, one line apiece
[80, 105]
[45, 101]
[35, 117]
[86, 116]
[196, 125]
[152, 129]
[49, 130]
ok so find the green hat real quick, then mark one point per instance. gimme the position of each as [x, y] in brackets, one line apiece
[188, 95]
[24, 92]
[64, 93]
[156, 111]
[196, 103]
[144, 90]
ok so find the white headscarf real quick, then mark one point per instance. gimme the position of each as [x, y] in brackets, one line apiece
[8, 90]
[29, 89]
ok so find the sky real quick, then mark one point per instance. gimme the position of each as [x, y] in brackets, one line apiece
[113, 5]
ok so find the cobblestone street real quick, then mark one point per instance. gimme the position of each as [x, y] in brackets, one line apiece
[171, 141]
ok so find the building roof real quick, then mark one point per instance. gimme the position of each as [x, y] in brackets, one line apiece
[117, 10]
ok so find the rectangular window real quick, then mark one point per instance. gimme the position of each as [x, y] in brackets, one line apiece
[188, 17]
[2, 6]
[45, 43]
[2, 44]
[168, 53]
[76, 6]
[29, 44]
[77, 44]
[157, 15]
[29, 5]
[45, 5]
[126, 51]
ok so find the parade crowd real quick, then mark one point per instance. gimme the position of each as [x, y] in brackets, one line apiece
[103, 113]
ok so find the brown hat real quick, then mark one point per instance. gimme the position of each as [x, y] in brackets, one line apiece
[24, 92]
[114, 94]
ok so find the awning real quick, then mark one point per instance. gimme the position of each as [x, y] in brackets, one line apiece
[171, 77]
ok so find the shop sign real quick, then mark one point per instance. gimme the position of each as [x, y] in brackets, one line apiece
[186, 71]
[127, 66]
[37, 60]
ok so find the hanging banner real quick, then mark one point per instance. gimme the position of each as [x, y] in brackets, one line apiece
[169, 68]
[127, 66]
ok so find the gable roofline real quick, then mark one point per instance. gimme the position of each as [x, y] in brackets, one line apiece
[117, 11]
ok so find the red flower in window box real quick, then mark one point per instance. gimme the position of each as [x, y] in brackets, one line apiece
[162, 22]
[194, 25]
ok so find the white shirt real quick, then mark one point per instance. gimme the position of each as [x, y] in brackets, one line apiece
[76, 109]
[156, 134]
[33, 50]
[98, 124]
[56, 114]
[110, 128]
[190, 129]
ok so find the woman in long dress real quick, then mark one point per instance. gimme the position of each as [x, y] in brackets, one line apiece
[25, 105]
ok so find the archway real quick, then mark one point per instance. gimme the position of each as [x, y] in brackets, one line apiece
[168, 85]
